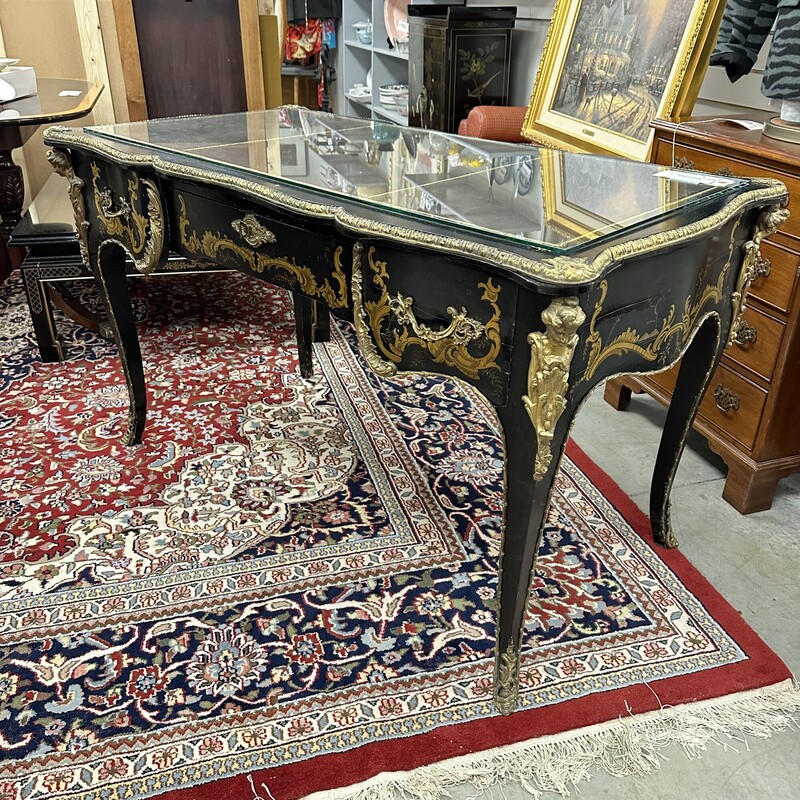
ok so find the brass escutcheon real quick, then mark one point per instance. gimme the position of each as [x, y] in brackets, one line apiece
[252, 231]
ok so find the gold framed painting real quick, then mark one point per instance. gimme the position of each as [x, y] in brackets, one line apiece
[611, 66]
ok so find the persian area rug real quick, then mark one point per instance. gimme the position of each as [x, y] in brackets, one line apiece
[289, 587]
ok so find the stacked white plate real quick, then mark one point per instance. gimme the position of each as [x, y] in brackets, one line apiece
[390, 93]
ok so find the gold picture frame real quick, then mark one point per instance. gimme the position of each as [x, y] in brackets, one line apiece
[611, 66]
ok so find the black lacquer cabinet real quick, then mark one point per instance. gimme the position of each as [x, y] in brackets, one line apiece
[458, 58]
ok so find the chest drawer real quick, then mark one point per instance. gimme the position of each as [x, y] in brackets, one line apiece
[778, 287]
[253, 241]
[732, 404]
[759, 341]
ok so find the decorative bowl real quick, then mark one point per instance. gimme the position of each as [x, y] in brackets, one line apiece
[363, 31]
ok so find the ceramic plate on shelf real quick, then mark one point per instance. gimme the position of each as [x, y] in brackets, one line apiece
[395, 15]
[7, 62]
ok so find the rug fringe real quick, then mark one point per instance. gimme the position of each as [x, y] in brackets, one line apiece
[627, 746]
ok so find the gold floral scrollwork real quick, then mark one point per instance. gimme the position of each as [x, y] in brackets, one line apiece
[753, 267]
[448, 345]
[252, 231]
[548, 373]
[62, 164]
[127, 226]
[214, 245]
[648, 345]
[365, 342]
[506, 680]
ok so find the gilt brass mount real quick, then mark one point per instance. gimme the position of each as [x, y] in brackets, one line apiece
[548, 373]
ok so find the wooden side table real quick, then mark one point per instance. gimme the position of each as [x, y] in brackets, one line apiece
[750, 413]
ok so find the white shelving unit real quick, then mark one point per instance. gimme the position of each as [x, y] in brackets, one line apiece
[377, 64]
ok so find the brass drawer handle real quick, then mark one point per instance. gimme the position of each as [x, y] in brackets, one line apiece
[762, 267]
[683, 163]
[107, 206]
[252, 231]
[461, 330]
[724, 171]
[745, 334]
[726, 399]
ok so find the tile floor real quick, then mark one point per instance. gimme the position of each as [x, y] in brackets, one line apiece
[754, 561]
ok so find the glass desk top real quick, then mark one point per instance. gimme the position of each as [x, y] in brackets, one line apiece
[523, 194]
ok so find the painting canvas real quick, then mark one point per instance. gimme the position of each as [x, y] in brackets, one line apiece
[609, 67]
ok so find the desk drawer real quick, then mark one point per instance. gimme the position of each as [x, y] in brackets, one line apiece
[692, 158]
[252, 241]
[762, 337]
[744, 403]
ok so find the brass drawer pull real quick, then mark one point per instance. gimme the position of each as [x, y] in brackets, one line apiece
[762, 267]
[107, 206]
[461, 330]
[726, 399]
[745, 334]
[252, 231]
[683, 163]
[724, 171]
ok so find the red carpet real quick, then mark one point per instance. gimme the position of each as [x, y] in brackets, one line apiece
[288, 587]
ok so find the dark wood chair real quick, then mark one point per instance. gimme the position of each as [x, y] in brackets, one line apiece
[52, 263]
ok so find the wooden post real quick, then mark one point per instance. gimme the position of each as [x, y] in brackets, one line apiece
[251, 54]
[94, 56]
[19, 156]
[131, 59]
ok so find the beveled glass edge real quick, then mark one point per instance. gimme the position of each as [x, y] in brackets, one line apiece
[561, 269]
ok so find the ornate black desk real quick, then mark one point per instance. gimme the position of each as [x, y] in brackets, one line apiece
[531, 274]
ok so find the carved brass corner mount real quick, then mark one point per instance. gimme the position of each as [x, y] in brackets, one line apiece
[548, 373]
[754, 267]
[62, 164]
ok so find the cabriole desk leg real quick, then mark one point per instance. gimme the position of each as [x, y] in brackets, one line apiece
[109, 270]
[697, 365]
[536, 428]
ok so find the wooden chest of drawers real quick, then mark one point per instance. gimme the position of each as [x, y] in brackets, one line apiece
[751, 412]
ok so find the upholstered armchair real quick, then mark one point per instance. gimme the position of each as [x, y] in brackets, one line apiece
[501, 123]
